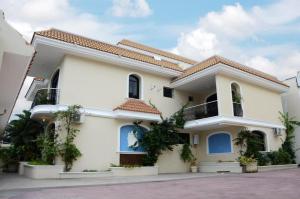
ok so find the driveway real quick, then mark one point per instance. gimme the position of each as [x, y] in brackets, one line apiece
[284, 184]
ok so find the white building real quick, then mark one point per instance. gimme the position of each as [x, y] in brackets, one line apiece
[291, 104]
[15, 57]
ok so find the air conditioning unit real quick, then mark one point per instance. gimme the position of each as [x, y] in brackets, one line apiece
[78, 118]
[277, 131]
[195, 139]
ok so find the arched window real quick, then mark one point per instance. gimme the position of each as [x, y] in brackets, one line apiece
[129, 135]
[134, 87]
[54, 84]
[219, 143]
[261, 140]
[236, 100]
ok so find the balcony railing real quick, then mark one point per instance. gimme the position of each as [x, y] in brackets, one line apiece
[237, 109]
[46, 96]
[201, 111]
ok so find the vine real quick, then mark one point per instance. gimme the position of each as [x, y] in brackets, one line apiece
[162, 136]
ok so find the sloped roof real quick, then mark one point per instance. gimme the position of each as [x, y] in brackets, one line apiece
[156, 51]
[105, 47]
[137, 106]
[217, 60]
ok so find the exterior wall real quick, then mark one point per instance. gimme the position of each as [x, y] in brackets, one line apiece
[100, 85]
[291, 101]
[273, 143]
[258, 103]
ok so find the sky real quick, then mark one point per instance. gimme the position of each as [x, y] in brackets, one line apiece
[263, 34]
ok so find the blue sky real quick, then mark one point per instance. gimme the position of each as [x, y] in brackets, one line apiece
[263, 34]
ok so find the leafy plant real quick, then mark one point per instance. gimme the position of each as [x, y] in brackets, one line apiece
[280, 157]
[249, 143]
[23, 133]
[48, 146]
[38, 162]
[9, 157]
[162, 136]
[186, 153]
[244, 160]
[290, 124]
[68, 150]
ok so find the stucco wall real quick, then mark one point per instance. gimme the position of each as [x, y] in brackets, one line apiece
[291, 104]
[100, 85]
[258, 103]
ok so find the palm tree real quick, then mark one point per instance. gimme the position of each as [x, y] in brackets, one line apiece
[23, 133]
[290, 124]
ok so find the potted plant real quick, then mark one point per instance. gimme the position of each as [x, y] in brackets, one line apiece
[249, 164]
[187, 156]
[194, 165]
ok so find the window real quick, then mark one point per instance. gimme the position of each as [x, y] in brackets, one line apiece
[219, 143]
[236, 100]
[260, 145]
[134, 87]
[168, 92]
[129, 135]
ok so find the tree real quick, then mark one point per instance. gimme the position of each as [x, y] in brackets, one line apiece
[162, 136]
[23, 133]
[290, 124]
[68, 150]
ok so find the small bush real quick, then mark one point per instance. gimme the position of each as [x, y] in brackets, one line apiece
[263, 159]
[38, 162]
[280, 157]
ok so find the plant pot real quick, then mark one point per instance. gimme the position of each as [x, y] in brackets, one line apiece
[250, 168]
[194, 169]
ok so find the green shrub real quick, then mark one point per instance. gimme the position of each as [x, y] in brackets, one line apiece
[38, 162]
[263, 159]
[280, 157]
[246, 160]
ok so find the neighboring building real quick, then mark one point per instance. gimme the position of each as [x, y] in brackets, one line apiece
[291, 104]
[15, 56]
[115, 83]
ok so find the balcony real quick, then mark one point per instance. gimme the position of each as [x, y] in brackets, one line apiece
[200, 111]
[46, 96]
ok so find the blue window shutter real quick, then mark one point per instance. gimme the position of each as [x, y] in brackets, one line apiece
[219, 143]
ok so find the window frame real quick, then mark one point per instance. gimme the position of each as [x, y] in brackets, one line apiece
[172, 92]
[215, 133]
[119, 140]
[140, 86]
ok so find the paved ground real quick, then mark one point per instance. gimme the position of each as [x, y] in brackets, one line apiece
[276, 185]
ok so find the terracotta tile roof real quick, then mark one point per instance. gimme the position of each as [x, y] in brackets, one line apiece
[137, 106]
[105, 47]
[218, 59]
[156, 51]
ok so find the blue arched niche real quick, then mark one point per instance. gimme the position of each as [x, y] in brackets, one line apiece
[127, 138]
[219, 143]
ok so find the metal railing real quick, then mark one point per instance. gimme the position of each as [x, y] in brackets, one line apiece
[200, 111]
[46, 96]
[237, 109]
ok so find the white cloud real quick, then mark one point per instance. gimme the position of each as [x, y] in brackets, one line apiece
[28, 16]
[130, 8]
[224, 32]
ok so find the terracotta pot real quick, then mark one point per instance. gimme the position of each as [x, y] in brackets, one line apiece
[250, 168]
[194, 169]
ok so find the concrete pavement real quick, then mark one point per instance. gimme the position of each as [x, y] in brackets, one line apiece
[282, 184]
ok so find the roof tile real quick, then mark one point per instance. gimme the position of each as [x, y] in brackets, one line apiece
[218, 59]
[156, 51]
[105, 47]
[137, 106]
